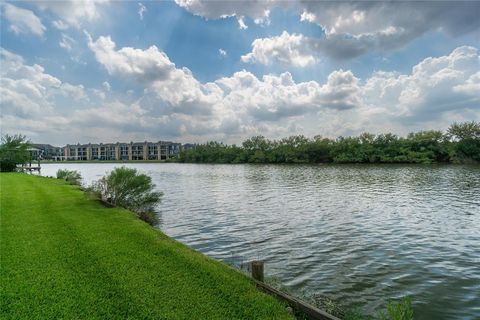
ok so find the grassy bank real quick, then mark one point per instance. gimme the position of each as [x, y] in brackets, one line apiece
[65, 256]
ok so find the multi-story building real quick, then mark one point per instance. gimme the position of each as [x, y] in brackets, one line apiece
[48, 152]
[161, 150]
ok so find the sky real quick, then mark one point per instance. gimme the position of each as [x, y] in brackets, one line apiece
[196, 71]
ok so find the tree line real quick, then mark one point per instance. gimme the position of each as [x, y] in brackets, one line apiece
[459, 144]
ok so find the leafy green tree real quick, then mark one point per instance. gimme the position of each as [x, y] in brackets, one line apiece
[256, 143]
[464, 131]
[427, 147]
[256, 149]
[292, 149]
[460, 144]
[13, 151]
[348, 150]
[319, 150]
[389, 148]
[367, 147]
[467, 138]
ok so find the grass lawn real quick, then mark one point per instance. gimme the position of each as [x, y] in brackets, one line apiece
[64, 256]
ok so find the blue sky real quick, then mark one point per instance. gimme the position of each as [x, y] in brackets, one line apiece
[196, 71]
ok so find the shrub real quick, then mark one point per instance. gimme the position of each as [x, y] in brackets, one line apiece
[13, 151]
[127, 188]
[149, 217]
[71, 176]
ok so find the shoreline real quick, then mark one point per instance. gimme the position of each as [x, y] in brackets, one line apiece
[79, 258]
[366, 164]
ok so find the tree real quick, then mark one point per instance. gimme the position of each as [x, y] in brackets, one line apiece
[427, 146]
[465, 130]
[318, 150]
[467, 135]
[460, 144]
[13, 151]
[256, 148]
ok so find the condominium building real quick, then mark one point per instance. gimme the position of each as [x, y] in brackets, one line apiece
[120, 151]
[161, 150]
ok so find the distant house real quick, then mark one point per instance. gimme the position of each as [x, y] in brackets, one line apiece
[49, 152]
[35, 153]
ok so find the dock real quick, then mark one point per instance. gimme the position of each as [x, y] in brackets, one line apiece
[29, 168]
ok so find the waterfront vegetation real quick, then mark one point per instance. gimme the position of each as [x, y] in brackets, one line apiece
[129, 189]
[71, 176]
[13, 151]
[66, 256]
[459, 144]
[395, 309]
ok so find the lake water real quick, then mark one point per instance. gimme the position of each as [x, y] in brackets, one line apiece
[359, 233]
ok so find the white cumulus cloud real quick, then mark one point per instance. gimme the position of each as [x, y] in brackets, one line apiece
[153, 68]
[259, 11]
[72, 12]
[243, 103]
[175, 105]
[23, 20]
[291, 49]
[28, 90]
[353, 28]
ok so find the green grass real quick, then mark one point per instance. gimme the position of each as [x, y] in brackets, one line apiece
[64, 256]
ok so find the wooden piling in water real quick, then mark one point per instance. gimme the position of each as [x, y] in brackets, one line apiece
[310, 312]
[257, 270]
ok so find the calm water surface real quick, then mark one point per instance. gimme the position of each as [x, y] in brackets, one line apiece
[362, 234]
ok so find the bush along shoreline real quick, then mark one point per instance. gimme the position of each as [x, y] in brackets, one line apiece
[459, 144]
[122, 187]
[73, 177]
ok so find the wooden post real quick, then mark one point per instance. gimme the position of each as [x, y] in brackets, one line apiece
[257, 270]
[311, 312]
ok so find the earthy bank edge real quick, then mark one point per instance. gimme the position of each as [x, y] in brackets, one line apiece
[65, 256]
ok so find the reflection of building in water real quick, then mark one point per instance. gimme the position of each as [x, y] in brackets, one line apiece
[161, 150]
